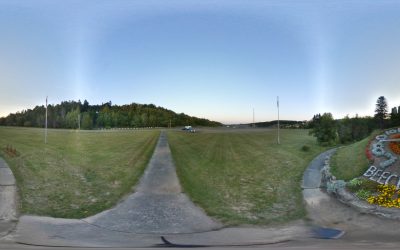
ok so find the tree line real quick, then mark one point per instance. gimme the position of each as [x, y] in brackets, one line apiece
[74, 114]
[329, 131]
[282, 124]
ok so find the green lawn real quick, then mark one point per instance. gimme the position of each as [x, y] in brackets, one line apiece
[350, 161]
[243, 176]
[78, 173]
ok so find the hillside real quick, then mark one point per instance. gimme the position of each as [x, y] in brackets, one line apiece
[69, 114]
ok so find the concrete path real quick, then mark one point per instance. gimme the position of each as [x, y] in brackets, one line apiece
[158, 205]
[312, 175]
[8, 212]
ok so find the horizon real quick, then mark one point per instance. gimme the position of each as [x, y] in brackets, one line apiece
[224, 124]
[217, 61]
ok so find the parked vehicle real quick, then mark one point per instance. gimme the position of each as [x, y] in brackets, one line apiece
[189, 129]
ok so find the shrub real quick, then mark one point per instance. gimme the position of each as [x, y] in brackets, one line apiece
[333, 187]
[363, 194]
[369, 185]
[357, 184]
[305, 148]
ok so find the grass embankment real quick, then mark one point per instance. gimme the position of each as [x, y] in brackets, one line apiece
[350, 161]
[78, 173]
[244, 176]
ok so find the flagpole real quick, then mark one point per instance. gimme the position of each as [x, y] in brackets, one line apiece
[45, 131]
[277, 103]
[254, 125]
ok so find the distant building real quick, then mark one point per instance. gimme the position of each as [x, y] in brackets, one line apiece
[394, 110]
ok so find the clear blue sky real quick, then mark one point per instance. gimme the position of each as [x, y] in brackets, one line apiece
[211, 59]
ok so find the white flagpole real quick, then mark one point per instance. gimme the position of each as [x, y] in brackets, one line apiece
[254, 125]
[45, 130]
[277, 104]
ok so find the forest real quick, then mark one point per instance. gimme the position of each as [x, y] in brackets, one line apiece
[75, 114]
[329, 131]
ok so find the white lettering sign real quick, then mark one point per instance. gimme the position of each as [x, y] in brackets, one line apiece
[370, 171]
[377, 175]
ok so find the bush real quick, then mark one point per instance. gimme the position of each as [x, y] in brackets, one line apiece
[362, 188]
[363, 194]
[324, 129]
[333, 187]
[305, 148]
[369, 185]
[357, 184]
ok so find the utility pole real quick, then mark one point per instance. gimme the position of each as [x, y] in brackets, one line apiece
[79, 121]
[254, 125]
[45, 130]
[277, 104]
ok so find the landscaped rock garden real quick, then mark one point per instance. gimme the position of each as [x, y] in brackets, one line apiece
[377, 191]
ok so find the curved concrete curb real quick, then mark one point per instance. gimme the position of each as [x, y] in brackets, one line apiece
[352, 200]
[45, 231]
[8, 200]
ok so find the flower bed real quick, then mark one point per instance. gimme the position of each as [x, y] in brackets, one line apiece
[395, 145]
[388, 197]
[378, 148]
[368, 153]
[377, 191]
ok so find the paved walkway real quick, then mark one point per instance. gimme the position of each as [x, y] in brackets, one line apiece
[158, 205]
[8, 213]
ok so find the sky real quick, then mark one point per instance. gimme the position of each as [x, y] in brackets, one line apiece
[212, 59]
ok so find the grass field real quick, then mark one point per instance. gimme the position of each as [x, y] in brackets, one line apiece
[243, 176]
[78, 173]
[350, 161]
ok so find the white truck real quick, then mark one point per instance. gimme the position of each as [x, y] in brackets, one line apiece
[189, 128]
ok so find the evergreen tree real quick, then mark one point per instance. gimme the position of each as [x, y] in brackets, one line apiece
[395, 117]
[381, 111]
